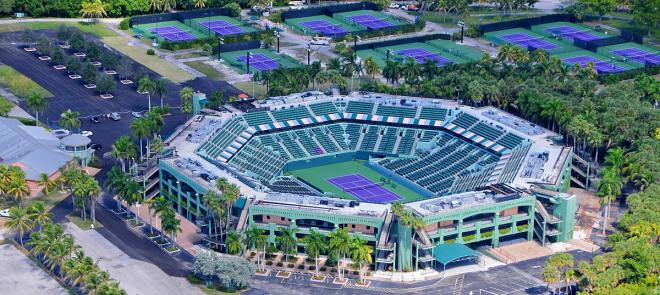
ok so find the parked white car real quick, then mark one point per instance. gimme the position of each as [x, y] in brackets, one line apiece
[59, 133]
[87, 133]
[4, 213]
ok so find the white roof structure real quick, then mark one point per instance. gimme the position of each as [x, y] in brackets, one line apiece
[31, 148]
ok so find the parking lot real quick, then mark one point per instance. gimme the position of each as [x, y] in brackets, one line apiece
[70, 94]
[20, 276]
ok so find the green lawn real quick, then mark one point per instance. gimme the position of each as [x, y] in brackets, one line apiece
[97, 29]
[49, 200]
[74, 217]
[317, 176]
[205, 69]
[259, 90]
[155, 63]
[19, 84]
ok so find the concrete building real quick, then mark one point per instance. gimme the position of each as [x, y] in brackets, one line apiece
[486, 176]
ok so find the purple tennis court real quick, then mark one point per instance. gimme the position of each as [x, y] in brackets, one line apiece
[600, 65]
[324, 27]
[259, 62]
[222, 27]
[422, 55]
[172, 33]
[639, 55]
[572, 33]
[370, 21]
[528, 41]
[363, 188]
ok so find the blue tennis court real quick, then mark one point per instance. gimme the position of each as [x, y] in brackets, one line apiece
[324, 27]
[638, 55]
[222, 27]
[259, 62]
[172, 33]
[601, 66]
[422, 55]
[572, 33]
[528, 42]
[363, 188]
[370, 21]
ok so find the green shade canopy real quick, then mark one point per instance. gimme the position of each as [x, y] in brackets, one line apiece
[446, 253]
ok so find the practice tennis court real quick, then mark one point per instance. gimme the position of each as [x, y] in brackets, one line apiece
[324, 27]
[222, 27]
[363, 188]
[601, 66]
[172, 33]
[528, 42]
[422, 56]
[259, 62]
[370, 21]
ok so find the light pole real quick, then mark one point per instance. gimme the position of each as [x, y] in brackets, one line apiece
[356, 39]
[462, 25]
[309, 52]
[248, 62]
[277, 35]
[220, 42]
[388, 55]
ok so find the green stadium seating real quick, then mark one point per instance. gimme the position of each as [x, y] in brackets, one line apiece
[257, 118]
[487, 131]
[291, 145]
[391, 111]
[321, 135]
[388, 140]
[360, 107]
[510, 140]
[370, 137]
[291, 114]
[407, 141]
[323, 108]
[433, 114]
[465, 120]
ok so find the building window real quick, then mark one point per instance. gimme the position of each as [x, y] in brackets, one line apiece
[352, 225]
[268, 217]
[282, 218]
[368, 227]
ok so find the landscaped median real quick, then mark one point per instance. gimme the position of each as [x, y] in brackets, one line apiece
[153, 62]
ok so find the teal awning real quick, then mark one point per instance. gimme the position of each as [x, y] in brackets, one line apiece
[446, 253]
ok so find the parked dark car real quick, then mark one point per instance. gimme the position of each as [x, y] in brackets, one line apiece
[94, 119]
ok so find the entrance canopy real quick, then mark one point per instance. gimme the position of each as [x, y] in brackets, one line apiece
[447, 253]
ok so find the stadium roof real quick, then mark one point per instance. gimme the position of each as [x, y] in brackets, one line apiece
[447, 253]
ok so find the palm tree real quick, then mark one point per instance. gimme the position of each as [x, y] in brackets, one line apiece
[186, 95]
[552, 110]
[371, 67]
[615, 158]
[94, 281]
[360, 253]
[18, 189]
[156, 146]
[146, 85]
[93, 9]
[93, 191]
[255, 240]
[36, 103]
[200, 3]
[38, 214]
[315, 244]
[156, 5]
[609, 187]
[110, 288]
[212, 201]
[132, 193]
[340, 243]
[287, 241]
[170, 224]
[140, 128]
[158, 205]
[123, 149]
[47, 184]
[19, 221]
[69, 120]
[233, 243]
[160, 88]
